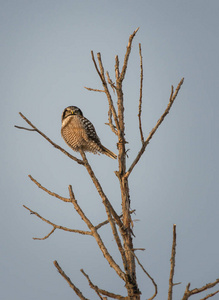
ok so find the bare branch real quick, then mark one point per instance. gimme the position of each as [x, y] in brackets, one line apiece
[76, 290]
[110, 101]
[104, 83]
[210, 295]
[94, 287]
[140, 96]
[109, 210]
[189, 293]
[50, 141]
[131, 283]
[138, 249]
[46, 236]
[47, 191]
[149, 276]
[102, 194]
[122, 75]
[102, 224]
[112, 295]
[111, 83]
[172, 98]
[56, 226]
[142, 267]
[107, 221]
[96, 67]
[97, 237]
[205, 287]
[100, 291]
[172, 260]
[117, 73]
[78, 208]
[113, 128]
[94, 90]
[29, 129]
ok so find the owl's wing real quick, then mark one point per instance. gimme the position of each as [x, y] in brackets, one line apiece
[90, 130]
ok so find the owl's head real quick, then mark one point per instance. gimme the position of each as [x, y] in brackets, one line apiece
[71, 110]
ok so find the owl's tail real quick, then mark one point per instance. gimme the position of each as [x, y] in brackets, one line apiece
[109, 153]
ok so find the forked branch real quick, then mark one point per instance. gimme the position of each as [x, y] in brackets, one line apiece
[100, 291]
[143, 269]
[96, 235]
[188, 293]
[104, 198]
[48, 191]
[173, 96]
[107, 221]
[55, 226]
[94, 287]
[111, 214]
[105, 86]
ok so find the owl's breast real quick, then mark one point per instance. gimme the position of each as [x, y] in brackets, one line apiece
[73, 132]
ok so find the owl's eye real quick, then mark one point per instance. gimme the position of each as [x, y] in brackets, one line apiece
[76, 112]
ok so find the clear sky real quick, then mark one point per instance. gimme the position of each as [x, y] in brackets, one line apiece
[45, 64]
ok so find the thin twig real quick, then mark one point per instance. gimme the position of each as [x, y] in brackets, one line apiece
[46, 236]
[205, 287]
[20, 127]
[110, 101]
[113, 127]
[189, 293]
[48, 139]
[96, 67]
[104, 83]
[111, 83]
[210, 295]
[172, 98]
[47, 191]
[117, 73]
[94, 90]
[149, 276]
[56, 226]
[107, 221]
[138, 249]
[172, 260]
[112, 295]
[76, 290]
[94, 287]
[124, 68]
[140, 97]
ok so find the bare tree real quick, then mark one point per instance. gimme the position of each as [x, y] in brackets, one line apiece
[121, 225]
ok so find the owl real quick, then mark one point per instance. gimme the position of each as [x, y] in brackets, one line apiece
[79, 133]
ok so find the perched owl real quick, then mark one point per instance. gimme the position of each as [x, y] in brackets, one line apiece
[79, 133]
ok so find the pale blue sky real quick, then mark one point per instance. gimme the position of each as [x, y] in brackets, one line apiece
[45, 64]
